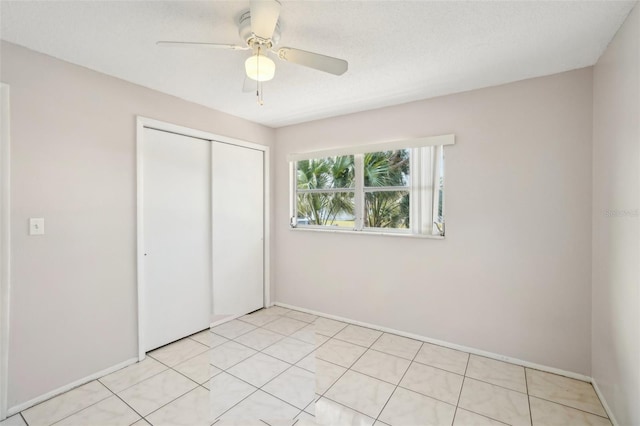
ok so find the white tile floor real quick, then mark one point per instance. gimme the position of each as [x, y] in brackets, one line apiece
[281, 367]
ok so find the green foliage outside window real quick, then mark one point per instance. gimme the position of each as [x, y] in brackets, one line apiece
[322, 208]
[383, 208]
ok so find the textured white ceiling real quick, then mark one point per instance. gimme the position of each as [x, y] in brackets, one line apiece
[398, 51]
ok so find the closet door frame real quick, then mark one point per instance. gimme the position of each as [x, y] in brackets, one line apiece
[141, 124]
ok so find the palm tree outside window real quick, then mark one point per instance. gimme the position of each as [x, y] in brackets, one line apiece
[388, 191]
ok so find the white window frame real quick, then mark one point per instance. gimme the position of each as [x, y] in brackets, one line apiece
[426, 159]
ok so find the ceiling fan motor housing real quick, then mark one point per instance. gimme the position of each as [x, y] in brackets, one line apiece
[244, 29]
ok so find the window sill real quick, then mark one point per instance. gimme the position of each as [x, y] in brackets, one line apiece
[351, 232]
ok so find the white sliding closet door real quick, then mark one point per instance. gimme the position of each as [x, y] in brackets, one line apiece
[238, 229]
[177, 236]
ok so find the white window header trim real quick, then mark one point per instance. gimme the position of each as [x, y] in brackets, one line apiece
[385, 146]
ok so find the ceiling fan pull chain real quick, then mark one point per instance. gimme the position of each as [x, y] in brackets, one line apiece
[259, 99]
[258, 82]
[260, 94]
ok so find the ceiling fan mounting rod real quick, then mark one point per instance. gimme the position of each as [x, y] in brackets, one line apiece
[246, 34]
[256, 42]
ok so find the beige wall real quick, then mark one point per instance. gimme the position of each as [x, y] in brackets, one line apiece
[616, 224]
[73, 302]
[513, 275]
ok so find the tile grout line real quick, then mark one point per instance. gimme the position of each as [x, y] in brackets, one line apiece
[284, 336]
[290, 365]
[464, 377]
[137, 383]
[527, 393]
[346, 406]
[348, 369]
[225, 371]
[266, 354]
[526, 385]
[313, 401]
[187, 377]
[459, 396]
[174, 399]
[414, 361]
[396, 385]
[234, 405]
[297, 417]
[465, 372]
[273, 378]
[262, 350]
[485, 416]
[245, 345]
[491, 384]
[278, 316]
[256, 390]
[399, 381]
[56, 396]
[279, 341]
[403, 387]
[183, 360]
[412, 390]
[132, 409]
[275, 396]
[569, 406]
[411, 362]
[261, 387]
[351, 365]
[84, 408]
[173, 369]
[163, 371]
[155, 374]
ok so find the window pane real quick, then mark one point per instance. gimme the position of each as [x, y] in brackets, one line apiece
[326, 209]
[438, 220]
[387, 168]
[324, 173]
[388, 209]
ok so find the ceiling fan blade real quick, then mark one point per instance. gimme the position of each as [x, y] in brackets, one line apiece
[264, 17]
[249, 85]
[198, 44]
[313, 60]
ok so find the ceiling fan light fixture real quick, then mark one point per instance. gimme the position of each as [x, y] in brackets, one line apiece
[260, 67]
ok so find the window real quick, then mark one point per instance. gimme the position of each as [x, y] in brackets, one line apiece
[386, 188]
[325, 191]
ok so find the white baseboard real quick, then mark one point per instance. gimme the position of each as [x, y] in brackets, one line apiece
[604, 402]
[37, 400]
[445, 344]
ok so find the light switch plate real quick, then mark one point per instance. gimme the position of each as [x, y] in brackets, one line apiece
[36, 226]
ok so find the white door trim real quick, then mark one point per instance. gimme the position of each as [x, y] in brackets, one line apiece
[141, 124]
[5, 246]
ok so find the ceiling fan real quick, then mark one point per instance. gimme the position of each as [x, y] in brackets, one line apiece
[260, 30]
